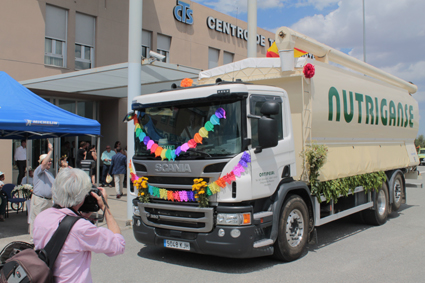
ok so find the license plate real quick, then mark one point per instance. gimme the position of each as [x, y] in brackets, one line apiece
[177, 245]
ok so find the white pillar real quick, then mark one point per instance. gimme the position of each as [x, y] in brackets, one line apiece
[364, 34]
[134, 81]
[252, 28]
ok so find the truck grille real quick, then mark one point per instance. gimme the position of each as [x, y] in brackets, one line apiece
[174, 180]
[177, 217]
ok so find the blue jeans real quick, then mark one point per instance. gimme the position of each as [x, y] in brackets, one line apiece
[3, 203]
[105, 172]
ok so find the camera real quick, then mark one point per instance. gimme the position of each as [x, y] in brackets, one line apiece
[155, 55]
[90, 202]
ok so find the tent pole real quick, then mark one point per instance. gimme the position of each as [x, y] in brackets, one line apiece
[27, 173]
[97, 161]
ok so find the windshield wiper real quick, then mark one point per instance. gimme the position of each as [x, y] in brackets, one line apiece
[196, 151]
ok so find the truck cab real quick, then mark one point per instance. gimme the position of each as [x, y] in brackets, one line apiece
[421, 156]
[257, 122]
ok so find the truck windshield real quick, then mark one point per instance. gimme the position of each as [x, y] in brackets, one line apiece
[171, 127]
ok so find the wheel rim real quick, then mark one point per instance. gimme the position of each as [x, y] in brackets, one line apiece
[397, 190]
[294, 228]
[382, 202]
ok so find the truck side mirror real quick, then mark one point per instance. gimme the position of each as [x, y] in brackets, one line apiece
[267, 133]
[267, 126]
[269, 108]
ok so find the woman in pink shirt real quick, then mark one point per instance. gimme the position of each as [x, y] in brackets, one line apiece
[73, 263]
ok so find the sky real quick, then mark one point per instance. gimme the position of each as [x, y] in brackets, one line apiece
[395, 31]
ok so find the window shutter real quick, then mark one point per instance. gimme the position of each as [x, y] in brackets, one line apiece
[56, 19]
[84, 29]
[163, 42]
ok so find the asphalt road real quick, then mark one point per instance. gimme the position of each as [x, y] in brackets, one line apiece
[345, 252]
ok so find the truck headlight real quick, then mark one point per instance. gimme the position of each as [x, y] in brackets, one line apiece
[136, 210]
[234, 219]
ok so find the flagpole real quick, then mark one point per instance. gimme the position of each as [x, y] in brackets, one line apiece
[364, 34]
[252, 29]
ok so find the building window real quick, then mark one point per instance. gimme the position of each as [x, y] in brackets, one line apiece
[227, 57]
[84, 41]
[213, 55]
[163, 46]
[55, 36]
[146, 43]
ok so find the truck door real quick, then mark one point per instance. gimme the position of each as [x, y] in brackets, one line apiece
[267, 166]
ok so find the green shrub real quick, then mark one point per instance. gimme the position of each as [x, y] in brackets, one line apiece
[315, 157]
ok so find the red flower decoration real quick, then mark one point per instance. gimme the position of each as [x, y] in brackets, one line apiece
[308, 71]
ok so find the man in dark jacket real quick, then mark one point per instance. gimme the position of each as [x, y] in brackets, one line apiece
[118, 169]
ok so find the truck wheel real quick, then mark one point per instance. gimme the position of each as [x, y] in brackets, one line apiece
[378, 215]
[398, 189]
[293, 230]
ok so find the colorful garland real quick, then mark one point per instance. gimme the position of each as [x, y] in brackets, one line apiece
[172, 153]
[200, 190]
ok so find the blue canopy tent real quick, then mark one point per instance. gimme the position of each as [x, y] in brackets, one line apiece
[25, 115]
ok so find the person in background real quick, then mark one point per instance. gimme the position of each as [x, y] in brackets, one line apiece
[66, 149]
[73, 262]
[3, 198]
[106, 159]
[124, 151]
[117, 144]
[92, 155]
[72, 154]
[118, 169]
[1, 179]
[21, 160]
[41, 198]
[81, 154]
[28, 179]
[63, 163]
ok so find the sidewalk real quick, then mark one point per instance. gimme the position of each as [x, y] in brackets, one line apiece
[15, 228]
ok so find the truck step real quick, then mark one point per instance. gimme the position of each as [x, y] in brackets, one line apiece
[262, 214]
[263, 243]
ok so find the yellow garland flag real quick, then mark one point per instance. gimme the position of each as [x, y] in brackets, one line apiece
[203, 132]
[163, 193]
[214, 188]
[163, 152]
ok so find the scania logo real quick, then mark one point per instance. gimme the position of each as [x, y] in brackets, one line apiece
[181, 168]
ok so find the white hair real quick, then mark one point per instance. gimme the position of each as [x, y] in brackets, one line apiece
[70, 187]
[42, 158]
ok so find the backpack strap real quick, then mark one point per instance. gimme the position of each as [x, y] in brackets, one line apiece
[54, 246]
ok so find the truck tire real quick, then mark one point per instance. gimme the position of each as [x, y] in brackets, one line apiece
[398, 190]
[378, 215]
[292, 237]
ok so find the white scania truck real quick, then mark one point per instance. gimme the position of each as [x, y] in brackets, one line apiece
[367, 119]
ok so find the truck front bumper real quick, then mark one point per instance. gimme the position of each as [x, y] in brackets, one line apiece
[206, 243]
